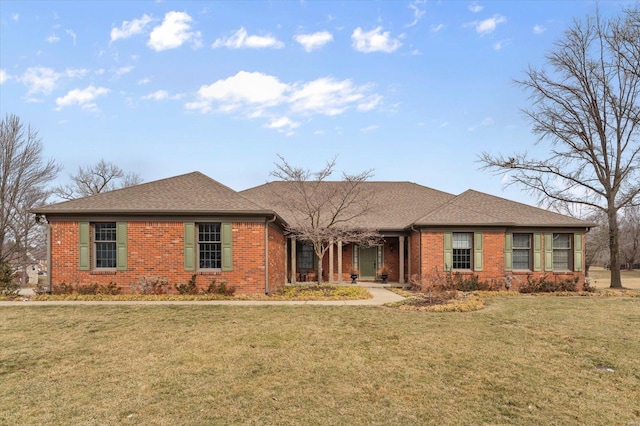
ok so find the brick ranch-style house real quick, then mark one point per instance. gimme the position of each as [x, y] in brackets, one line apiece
[190, 224]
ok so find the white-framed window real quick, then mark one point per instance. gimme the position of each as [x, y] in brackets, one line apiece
[104, 245]
[521, 252]
[562, 258]
[209, 246]
[462, 250]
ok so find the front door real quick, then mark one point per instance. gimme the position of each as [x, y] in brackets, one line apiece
[367, 258]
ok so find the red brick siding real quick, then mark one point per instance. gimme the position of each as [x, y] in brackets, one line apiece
[277, 252]
[493, 258]
[157, 249]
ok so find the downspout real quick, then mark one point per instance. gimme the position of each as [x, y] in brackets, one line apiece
[266, 253]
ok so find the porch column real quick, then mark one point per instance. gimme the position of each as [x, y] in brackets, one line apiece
[401, 255]
[330, 262]
[339, 261]
[293, 260]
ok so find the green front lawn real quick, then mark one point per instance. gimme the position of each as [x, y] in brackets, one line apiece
[521, 360]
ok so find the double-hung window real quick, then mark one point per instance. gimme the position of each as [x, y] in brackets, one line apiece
[306, 255]
[522, 251]
[562, 259]
[209, 246]
[462, 248]
[105, 245]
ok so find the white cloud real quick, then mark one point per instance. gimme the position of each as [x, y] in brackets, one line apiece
[4, 76]
[52, 39]
[489, 25]
[130, 28]
[538, 29]
[475, 7]
[328, 96]
[160, 95]
[369, 128]
[240, 39]
[313, 41]
[374, 41]
[256, 95]
[436, 28]
[370, 103]
[71, 34]
[15, 17]
[174, 31]
[283, 124]
[45, 80]
[144, 81]
[418, 13]
[488, 121]
[498, 45]
[244, 88]
[124, 70]
[82, 97]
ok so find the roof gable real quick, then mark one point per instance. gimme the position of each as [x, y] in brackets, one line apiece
[477, 208]
[189, 193]
[393, 205]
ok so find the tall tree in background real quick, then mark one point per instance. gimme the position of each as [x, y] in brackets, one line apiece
[24, 176]
[630, 236]
[101, 177]
[324, 212]
[586, 104]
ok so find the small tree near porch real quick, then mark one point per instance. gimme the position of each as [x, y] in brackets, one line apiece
[325, 212]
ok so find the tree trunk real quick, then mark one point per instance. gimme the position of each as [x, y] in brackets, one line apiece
[319, 270]
[614, 248]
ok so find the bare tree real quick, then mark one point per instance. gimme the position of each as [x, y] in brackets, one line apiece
[324, 211]
[101, 177]
[23, 179]
[630, 236]
[586, 105]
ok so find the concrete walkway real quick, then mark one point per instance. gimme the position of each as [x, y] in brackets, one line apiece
[380, 297]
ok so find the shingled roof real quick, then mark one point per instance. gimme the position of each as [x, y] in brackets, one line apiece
[189, 193]
[394, 206]
[477, 208]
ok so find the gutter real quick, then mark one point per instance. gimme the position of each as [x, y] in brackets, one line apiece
[266, 252]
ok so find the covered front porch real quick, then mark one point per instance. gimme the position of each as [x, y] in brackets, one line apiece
[341, 260]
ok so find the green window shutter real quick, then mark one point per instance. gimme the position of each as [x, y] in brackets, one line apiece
[227, 246]
[448, 251]
[508, 252]
[189, 246]
[537, 252]
[577, 252]
[121, 246]
[477, 251]
[548, 252]
[85, 250]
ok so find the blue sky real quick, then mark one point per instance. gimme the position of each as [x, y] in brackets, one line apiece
[415, 90]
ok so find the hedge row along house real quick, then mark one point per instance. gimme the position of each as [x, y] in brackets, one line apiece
[189, 225]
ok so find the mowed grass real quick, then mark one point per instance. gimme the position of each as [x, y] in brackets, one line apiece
[527, 360]
[601, 278]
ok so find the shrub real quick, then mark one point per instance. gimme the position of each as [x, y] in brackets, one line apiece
[588, 287]
[87, 289]
[62, 288]
[545, 285]
[8, 284]
[151, 284]
[111, 289]
[188, 288]
[222, 288]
